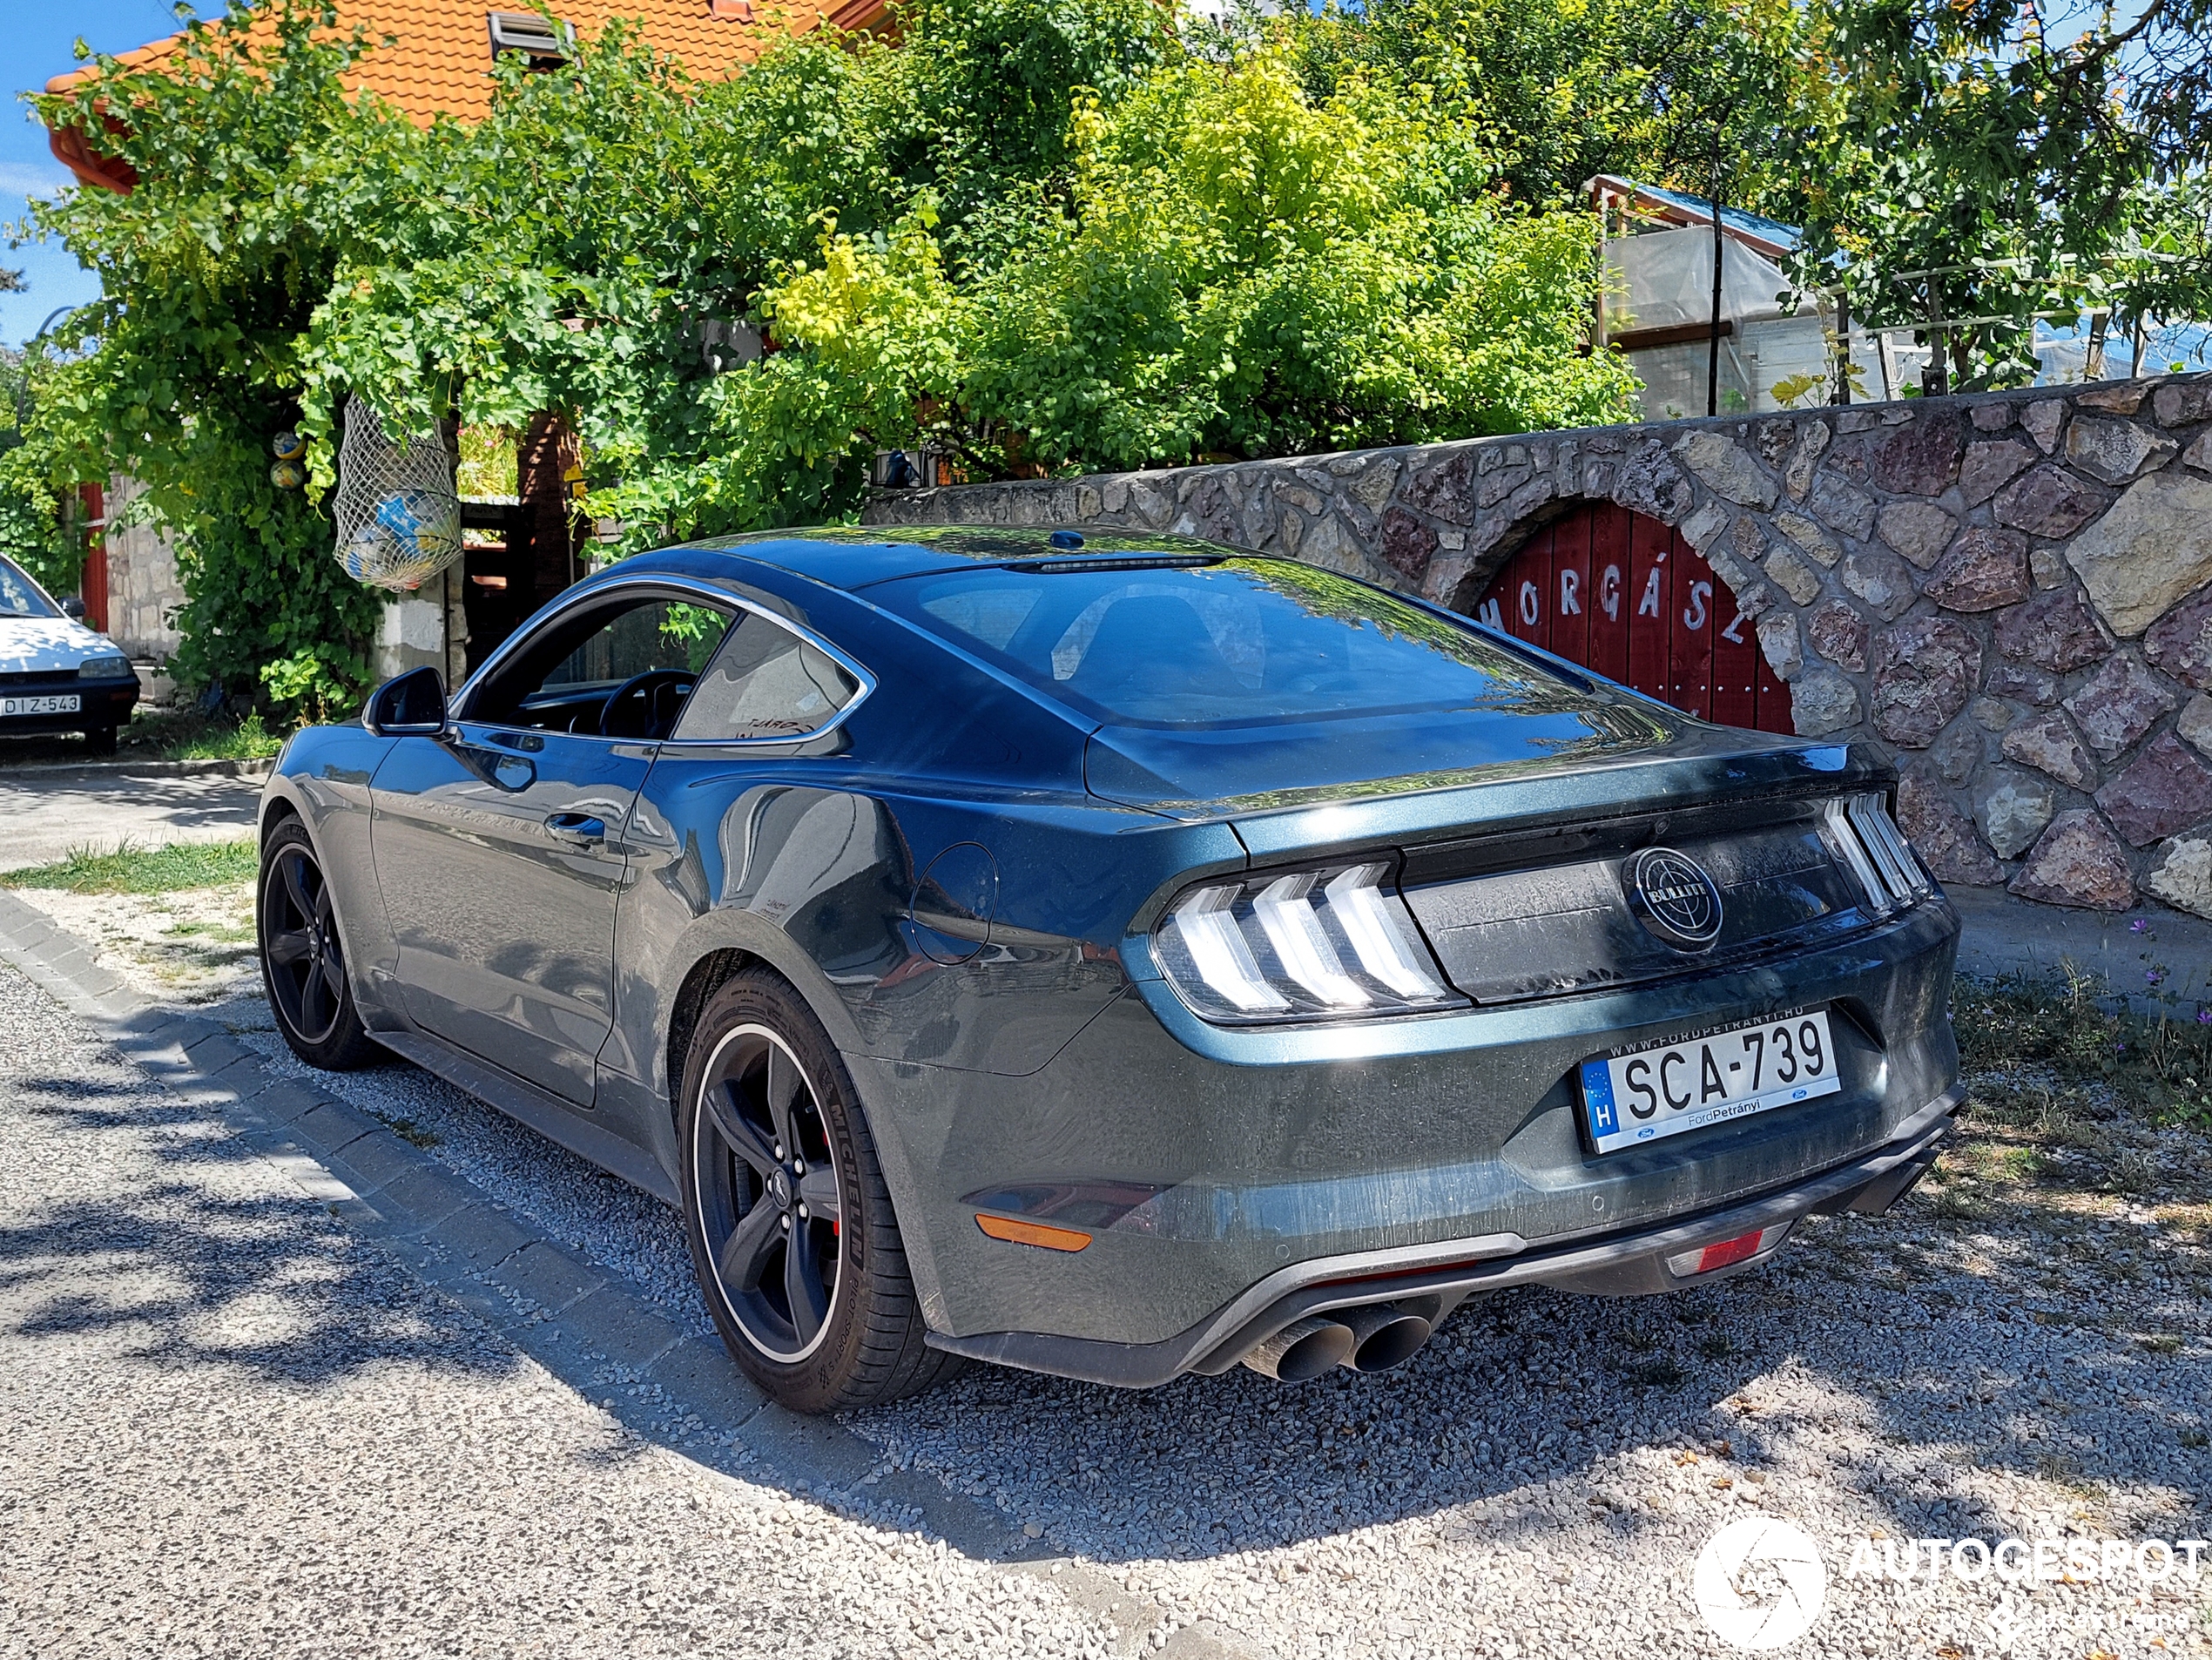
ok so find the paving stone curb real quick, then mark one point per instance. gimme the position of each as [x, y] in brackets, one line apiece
[574, 1320]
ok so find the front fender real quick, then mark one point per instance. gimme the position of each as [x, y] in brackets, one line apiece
[324, 777]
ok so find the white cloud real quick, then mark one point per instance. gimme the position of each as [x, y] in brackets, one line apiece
[29, 179]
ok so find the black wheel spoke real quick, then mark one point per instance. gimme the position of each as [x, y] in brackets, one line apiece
[744, 1140]
[803, 1285]
[291, 865]
[333, 975]
[313, 1015]
[784, 1083]
[744, 1256]
[818, 1192]
[290, 946]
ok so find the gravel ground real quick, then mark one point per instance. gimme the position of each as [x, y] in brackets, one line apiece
[190, 946]
[2004, 1356]
[1540, 1480]
[229, 1429]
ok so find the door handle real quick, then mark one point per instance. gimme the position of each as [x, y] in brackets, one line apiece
[578, 828]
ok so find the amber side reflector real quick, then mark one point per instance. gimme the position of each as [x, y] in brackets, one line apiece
[1031, 1233]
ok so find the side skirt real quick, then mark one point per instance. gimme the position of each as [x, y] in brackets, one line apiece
[525, 1103]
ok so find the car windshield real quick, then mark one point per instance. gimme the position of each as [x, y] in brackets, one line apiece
[1236, 642]
[19, 597]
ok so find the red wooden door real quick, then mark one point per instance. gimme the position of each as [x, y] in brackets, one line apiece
[1622, 594]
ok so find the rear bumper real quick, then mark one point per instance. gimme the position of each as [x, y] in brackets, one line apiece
[1633, 1263]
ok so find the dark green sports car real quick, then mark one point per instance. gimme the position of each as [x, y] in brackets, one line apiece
[1115, 956]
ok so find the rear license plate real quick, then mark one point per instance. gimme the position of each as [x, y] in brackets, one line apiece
[66, 702]
[1665, 1089]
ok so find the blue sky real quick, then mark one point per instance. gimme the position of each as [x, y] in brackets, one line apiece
[37, 40]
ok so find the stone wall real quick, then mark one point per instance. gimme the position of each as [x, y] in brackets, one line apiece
[2009, 592]
[143, 592]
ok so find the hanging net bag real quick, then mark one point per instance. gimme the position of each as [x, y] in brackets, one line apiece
[398, 521]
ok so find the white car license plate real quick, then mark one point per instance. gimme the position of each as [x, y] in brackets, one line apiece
[1643, 1095]
[66, 703]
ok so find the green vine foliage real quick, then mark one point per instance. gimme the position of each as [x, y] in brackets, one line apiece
[31, 532]
[255, 172]
[1051, 234]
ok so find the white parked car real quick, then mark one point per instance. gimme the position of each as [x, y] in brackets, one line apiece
[56, 674]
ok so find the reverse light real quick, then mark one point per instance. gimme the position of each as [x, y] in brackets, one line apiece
[1861, 830]
[1312, 943]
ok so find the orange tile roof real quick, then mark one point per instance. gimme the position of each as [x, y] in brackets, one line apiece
[440, 59]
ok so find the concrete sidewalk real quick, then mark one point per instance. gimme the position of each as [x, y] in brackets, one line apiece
[2007, 936]
[47, 813]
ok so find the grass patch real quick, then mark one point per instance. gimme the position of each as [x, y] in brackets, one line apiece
[185, 735]
[2150, 1058]
[216, 933]
[144, 870]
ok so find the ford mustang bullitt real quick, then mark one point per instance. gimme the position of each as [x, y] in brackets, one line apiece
[1113, 956]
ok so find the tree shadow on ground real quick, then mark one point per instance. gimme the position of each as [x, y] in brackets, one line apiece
[201, 1253]
[1828, 1365]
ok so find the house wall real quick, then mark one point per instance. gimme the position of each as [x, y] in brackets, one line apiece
[2011, 593]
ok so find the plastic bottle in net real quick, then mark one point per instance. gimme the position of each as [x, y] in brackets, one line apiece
[399, 520]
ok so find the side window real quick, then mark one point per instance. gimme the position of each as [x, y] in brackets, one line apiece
[659, 634]
[766, 683]
[564, 679]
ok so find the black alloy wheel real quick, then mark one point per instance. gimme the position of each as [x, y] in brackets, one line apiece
[768, 1193]
[303, 958]
[790, 1223]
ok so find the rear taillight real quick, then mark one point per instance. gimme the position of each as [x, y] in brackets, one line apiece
[1331, 942]
[1862, 832]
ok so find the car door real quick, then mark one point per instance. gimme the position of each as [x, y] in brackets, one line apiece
[499, 846]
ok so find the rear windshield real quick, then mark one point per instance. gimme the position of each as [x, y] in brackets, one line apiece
[1241, 642]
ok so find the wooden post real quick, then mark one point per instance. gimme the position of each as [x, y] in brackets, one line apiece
[91, 585]
[1713, 348]
[1842, 345]
[548, 450]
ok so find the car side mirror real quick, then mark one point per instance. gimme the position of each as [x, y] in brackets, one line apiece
[73, 608]
[408, 705]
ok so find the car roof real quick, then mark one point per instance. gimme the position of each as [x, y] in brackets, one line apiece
[856, 557]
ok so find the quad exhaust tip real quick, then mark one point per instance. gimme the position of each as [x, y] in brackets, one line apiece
[1384, 1335]
[1302, 1351]
[1373, 1338]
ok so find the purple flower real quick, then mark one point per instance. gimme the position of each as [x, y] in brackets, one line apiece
[2141, 925]
[2153, 975]
[2204, 1017]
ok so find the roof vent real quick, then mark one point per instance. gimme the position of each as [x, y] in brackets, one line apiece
[544, 43]
[735, 10]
